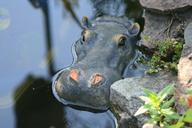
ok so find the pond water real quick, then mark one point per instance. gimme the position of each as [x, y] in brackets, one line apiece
[29, 30]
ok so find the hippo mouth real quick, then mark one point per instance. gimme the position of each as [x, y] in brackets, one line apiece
[74, 87]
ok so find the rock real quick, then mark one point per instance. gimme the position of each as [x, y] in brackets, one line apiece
[185, 62]
[166, 5]
[124, 93]
[187, 35]
[126, 121]
[187, 48]
[160, 27]
[155, 28]
[163, 19]
[185, 71]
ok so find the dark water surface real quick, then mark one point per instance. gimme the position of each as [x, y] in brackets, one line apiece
[28, 31]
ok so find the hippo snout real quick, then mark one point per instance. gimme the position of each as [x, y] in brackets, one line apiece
[95, 80]
[73, 86]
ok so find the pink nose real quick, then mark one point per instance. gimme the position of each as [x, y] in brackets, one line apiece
[96, 79]
[74, 75]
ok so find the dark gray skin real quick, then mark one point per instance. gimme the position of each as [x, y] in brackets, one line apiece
[106, 47]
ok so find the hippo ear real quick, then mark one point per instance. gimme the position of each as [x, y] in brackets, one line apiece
[85, 22]
[134, 29]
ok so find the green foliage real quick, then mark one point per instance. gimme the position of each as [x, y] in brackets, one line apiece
[189, 91]
[188, 116]
[165, 56]
[159, 106]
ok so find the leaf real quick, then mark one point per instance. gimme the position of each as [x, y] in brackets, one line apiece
[168, 103]
[149, 106]
[152, 96]
[170, 114]
[149, 93]
[188, 116]
[140, 111]
[145, 99]
[189, 91]
[174, 116]
[167, 111]
[148, 125]
[156, 117]
[178, 125]
[165, 92]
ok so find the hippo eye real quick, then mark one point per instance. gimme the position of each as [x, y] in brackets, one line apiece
[122, 41]
[85, 35]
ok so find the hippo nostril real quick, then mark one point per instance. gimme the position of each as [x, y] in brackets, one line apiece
[96, 79]
[74, 75]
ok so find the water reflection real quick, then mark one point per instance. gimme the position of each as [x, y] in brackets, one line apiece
[69, 8]
[4, 19]
[35, 106]
[34, 103]
[22, 50]
[135, 11]
[44, 6]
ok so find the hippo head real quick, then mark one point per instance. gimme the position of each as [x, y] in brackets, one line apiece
[105, 48]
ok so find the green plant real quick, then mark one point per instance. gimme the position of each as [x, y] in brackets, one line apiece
[160, 109]
[165, 56]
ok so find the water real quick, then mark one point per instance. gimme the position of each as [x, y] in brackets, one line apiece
[27, 34]
[4, 19]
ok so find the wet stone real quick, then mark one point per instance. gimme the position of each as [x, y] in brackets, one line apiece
[165, 19]
[166, 5]
[159, 27]
[124, 93]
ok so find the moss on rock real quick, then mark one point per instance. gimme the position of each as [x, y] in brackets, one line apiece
[165, 55]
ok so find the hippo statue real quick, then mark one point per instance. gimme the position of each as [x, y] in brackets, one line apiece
[105, 49]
